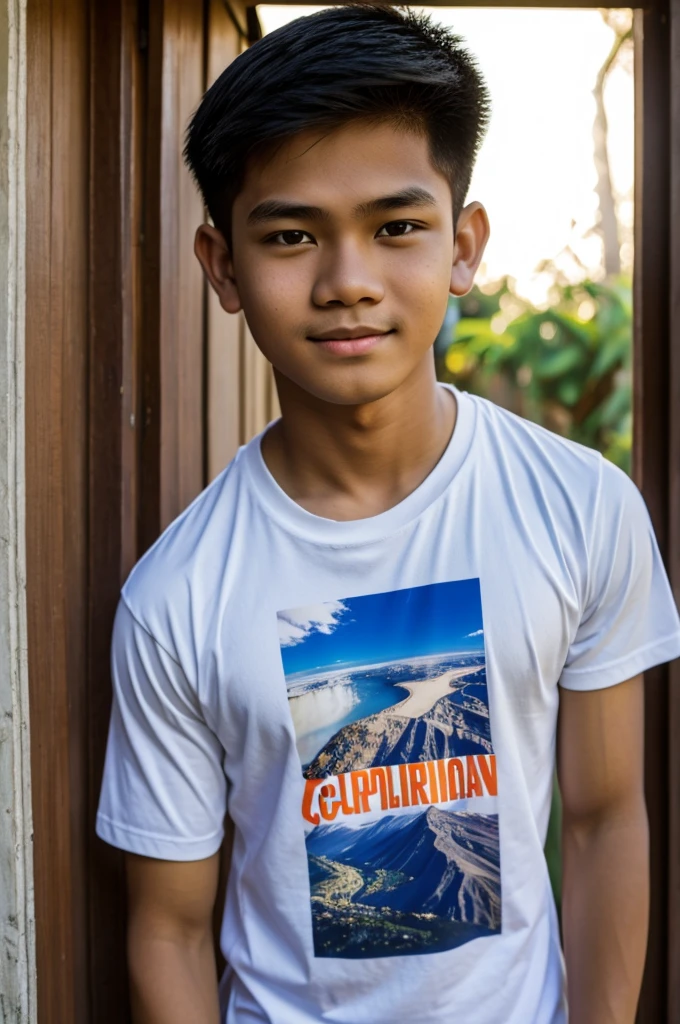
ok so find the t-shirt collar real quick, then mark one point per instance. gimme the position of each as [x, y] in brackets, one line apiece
[317, 529]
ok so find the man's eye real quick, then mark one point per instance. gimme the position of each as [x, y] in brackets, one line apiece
[396, 228]
[290, 238]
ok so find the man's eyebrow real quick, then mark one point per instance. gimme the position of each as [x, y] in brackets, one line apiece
[279, 209]
[414, 195]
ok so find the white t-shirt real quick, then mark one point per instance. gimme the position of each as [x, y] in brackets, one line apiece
[374, 702]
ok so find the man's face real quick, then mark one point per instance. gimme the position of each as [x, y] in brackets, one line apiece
[343, 259]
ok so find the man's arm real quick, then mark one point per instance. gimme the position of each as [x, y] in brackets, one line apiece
[173, 976]
[605, 894]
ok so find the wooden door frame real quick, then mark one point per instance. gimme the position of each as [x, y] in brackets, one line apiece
[656, 461]
[672, 390]
[97, 492]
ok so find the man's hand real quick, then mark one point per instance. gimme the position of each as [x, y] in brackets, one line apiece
[605, 895]
[173, 977]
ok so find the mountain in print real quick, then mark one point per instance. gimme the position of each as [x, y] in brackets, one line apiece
[405, 884]
[433, 722]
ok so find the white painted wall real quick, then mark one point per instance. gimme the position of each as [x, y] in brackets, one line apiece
[17, 924]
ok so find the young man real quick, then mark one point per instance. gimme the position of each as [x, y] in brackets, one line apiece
[366, 639]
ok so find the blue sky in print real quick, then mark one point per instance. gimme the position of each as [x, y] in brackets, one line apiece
[434, 619]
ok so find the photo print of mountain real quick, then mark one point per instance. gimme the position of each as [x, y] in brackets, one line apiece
[388, 698]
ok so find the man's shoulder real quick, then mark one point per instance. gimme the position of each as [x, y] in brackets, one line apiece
[562, 480]
[533, 454]
[529, 441]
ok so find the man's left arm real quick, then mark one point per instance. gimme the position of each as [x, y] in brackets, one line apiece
[605, 850]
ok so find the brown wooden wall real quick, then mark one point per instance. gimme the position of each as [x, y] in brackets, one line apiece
[139, 389]
[133, 384]
[56, 499]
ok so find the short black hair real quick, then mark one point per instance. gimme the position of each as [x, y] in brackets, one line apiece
[355, 61]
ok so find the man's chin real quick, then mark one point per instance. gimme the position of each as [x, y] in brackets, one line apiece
[356, 392]
[352, 383]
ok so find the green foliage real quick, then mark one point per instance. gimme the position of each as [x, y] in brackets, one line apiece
[567, 367]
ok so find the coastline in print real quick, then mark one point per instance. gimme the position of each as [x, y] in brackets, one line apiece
[412, 710]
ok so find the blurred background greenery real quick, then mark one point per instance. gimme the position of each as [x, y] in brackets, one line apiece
[567, 367]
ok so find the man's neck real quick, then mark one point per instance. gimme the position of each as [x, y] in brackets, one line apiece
[352, 462]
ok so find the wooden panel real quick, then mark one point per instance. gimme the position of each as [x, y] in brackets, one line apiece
[116, 115]
[173, 464]
[223, 376]
[651, 446]
[56, 475]
[223, 370]
[258, 392]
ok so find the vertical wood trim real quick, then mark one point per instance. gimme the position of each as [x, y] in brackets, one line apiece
[674, 518]
[651, 276]
[17, 918]
[256, 387]
[172, 471]
[273, 406]
[223, 370]
[189, 75]
[222, 386]
[116, 75]
[132, 111]
[70, 226]
[57, 169]
[149, 425]
[43, 535]
[651, 420]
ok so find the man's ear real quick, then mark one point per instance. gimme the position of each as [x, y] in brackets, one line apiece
[472, 234]
[214, 256]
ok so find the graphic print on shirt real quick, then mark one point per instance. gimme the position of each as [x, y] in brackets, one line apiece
[388, 698]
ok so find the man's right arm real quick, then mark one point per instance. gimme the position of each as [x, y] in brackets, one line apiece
[171, 956]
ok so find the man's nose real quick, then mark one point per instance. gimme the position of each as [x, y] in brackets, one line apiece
[347, 276]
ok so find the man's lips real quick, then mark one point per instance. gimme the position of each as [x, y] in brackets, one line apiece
[352, 342]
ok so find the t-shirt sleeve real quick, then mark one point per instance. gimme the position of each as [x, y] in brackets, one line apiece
[164, 789]
[630, 620]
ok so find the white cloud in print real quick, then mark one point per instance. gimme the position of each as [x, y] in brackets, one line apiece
[296, 624]
[477, 632]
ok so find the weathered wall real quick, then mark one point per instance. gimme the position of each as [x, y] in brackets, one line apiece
[17, 963]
